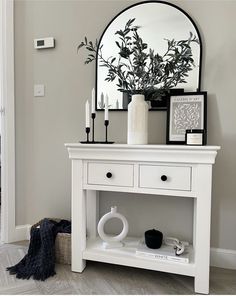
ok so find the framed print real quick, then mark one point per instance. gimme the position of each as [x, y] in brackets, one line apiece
[184, 112]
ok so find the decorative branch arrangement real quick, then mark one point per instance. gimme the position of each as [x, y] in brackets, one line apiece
[138, 69]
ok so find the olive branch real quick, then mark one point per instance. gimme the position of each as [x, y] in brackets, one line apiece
[138, 69]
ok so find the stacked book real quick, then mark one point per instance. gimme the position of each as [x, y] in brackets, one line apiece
[165, 253]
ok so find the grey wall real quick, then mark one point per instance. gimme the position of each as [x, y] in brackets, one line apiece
[43, 125]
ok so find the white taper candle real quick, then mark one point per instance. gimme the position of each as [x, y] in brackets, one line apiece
[93, 101]
[106, 117]
[87, 114]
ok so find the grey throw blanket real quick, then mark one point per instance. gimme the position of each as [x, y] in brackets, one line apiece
[39, 262]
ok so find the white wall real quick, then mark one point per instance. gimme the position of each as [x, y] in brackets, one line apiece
[43, 125]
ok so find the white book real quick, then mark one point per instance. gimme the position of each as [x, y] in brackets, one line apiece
[165, 253]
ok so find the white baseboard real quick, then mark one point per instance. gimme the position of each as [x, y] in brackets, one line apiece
[22, 232]
[223, 258]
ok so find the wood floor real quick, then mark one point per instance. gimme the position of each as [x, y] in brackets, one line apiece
[100, 278]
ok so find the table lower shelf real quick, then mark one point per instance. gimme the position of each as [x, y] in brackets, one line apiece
[126, 256]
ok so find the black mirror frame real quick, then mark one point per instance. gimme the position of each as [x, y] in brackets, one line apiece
[140, 3]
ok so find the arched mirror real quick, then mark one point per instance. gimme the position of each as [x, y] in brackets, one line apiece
[157, 22]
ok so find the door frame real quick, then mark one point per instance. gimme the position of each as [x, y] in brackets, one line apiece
[8, 220]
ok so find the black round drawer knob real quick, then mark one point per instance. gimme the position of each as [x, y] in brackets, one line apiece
[109, 175]
[163, 177]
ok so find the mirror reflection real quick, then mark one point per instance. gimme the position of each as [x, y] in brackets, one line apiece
[156, 22]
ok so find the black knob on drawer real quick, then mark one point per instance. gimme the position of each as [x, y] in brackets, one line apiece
[163, 177]
[109, 175]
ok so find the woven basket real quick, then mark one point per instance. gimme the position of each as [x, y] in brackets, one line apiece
[62, 245]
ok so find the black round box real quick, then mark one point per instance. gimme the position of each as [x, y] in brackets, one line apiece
[153, 238]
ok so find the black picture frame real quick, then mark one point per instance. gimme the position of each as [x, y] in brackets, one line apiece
[180, 115]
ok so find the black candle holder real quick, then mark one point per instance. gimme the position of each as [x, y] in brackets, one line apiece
[87, 130]
[93, 115]
[106, 123]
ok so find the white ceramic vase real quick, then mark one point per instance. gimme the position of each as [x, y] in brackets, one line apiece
[112, 241]
[137, 132]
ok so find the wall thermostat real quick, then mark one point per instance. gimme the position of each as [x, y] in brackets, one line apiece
[42, 43]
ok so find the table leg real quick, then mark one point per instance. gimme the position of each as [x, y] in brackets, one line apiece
[202, 214]
[78, 237]
[92, 204]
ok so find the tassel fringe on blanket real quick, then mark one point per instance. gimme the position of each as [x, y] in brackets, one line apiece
[39, 262]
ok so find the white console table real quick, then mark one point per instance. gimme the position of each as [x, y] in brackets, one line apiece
[184, 171]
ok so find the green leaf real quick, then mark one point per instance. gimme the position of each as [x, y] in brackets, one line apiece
[80, 45]
[89, 48]
[120, 32]
[118, 44]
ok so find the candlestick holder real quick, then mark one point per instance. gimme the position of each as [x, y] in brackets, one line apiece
[93, 115]
[106, 123]
[87, 130]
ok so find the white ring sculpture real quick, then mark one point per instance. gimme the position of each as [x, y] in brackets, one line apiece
[112, 241]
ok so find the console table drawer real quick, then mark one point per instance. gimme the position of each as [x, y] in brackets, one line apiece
[165, 177]
[111, 174]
